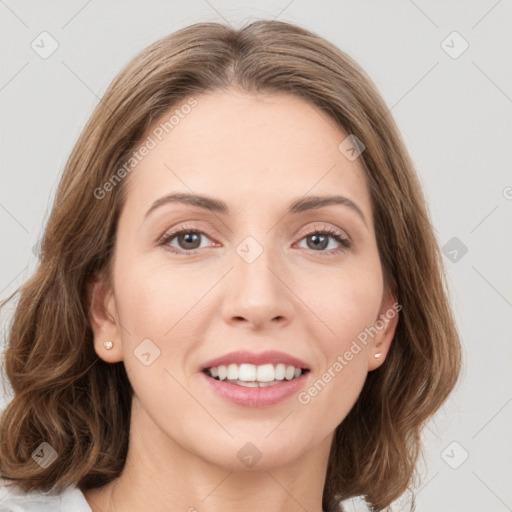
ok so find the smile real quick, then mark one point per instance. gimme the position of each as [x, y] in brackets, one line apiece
[250, 375]
[254, 393]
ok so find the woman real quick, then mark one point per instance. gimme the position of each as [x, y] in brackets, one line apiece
[240, 302]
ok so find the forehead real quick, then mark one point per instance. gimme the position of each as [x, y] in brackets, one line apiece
[248, 150]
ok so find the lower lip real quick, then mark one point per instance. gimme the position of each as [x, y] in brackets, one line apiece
[256, 397]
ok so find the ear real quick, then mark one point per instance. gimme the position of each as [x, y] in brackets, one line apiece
[385, 326]
[103, 318]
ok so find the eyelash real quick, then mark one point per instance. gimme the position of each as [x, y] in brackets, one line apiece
[345, 243]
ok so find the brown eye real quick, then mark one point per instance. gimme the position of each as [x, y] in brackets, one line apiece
[189, 240]
[320, 240]
[183, 241]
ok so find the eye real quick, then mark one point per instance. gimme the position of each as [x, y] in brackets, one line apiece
[318, 240]
[188, 240]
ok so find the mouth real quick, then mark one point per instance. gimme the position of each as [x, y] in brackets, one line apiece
[255, 379]
[255, 376]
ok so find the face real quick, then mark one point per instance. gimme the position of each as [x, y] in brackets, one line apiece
[192, 284]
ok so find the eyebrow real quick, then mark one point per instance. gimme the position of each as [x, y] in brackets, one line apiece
[218, 206]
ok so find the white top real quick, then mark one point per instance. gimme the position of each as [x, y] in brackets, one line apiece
[13, 499]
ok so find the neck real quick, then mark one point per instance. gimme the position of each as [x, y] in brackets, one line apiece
[162, 475]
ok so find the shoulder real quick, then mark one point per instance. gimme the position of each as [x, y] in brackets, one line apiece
[14, 499]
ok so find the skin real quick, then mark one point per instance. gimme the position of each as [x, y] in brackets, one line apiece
[257, 153]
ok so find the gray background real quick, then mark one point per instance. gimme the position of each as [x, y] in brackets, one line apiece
[454, 114]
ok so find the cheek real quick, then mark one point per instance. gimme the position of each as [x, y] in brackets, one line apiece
[152, 298]
[354, 309]
[158, 303]
[351, 308]
[347, 301]
[152, 304]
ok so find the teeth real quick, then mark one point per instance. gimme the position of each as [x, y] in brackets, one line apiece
[254, 384]
[223, 372]
[250, 375]
[265, 373]
[290, 373]
[247, 372]
[232, 372]
[280, 371]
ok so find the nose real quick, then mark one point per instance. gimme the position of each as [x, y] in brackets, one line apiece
[258, 295]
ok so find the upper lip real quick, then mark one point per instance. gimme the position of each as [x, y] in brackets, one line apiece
[257, 358]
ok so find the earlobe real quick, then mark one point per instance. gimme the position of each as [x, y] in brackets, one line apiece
[386, 325]
[102, 317]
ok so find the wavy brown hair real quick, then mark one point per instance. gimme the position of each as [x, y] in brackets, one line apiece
[65, 395]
